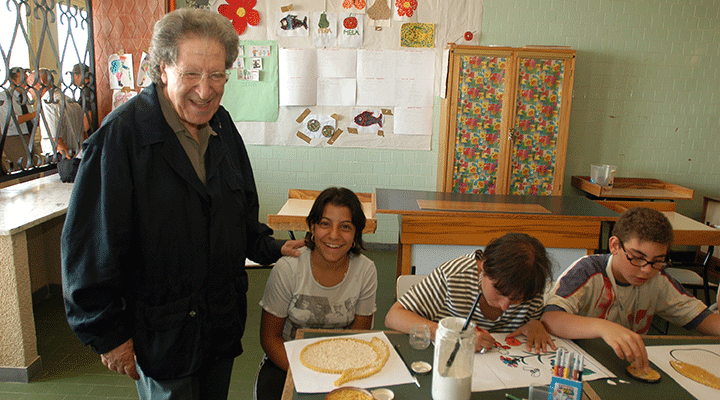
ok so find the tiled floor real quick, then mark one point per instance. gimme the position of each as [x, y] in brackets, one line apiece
[72, 371]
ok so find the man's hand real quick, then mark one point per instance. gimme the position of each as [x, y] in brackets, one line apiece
[122, 360]
[290, 248]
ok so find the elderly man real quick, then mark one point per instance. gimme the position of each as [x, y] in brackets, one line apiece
[163, 213]
[61, 119]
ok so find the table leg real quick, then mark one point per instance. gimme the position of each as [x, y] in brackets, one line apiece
[706, 284]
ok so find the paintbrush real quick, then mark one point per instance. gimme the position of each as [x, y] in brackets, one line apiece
[451, 359]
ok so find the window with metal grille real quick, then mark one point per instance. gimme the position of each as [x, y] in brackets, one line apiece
[47, 83]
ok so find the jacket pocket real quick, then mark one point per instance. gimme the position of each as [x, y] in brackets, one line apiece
[168, 339]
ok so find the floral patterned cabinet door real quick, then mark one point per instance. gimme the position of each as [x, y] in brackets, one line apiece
[505, 120]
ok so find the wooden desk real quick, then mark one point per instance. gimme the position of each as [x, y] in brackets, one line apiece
[406, 391]
[293, 213]
[568, 222]
[37, 203]
[689, 232]
[634, 188]
[666, 389]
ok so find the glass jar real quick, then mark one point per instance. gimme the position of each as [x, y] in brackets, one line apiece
[453, 360]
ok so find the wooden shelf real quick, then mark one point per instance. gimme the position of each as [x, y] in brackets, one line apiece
[634, 188]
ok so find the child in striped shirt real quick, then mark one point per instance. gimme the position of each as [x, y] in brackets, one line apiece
[510, 278]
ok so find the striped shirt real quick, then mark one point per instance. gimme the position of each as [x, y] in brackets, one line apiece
[450, 291]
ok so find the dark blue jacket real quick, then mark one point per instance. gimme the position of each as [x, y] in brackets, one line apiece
[151, 253]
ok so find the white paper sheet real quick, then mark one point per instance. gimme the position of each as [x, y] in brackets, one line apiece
[336, 92]
[413, 121]
[308, 381]
[336, 63]
[298, 77]
[705, 356]
[520, 368]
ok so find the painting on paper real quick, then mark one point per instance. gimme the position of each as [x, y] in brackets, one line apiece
[121, 71]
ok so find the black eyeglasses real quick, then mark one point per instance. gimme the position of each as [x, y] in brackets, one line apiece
[641, 262]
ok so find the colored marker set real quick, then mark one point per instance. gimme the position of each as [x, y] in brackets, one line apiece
[569, 365]
[566, 382]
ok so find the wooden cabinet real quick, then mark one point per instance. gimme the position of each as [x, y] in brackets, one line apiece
[505, 120]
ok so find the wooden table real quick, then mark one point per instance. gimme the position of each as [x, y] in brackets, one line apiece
[568, 222]
[666, 389]
[634, 188]
[409, 390]
[293, 213]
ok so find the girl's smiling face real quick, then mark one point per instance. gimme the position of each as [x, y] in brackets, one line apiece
[334, 234]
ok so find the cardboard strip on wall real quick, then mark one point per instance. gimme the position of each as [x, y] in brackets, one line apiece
[335, 135]
[304, 114]
[303, 137]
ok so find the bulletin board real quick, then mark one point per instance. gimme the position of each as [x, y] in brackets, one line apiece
[359, 30]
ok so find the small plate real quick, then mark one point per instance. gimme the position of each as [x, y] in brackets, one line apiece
[421, 367]
[383, 394]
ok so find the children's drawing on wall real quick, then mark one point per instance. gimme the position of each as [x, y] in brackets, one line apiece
[239, 63]
[121, 72]
[248, 75]
[241, 13]
[292, 23]
[260, 51]
[240, 60]
[380, 13]
[324, 29]
[200, 4]
[143, 75]
[317, 126]
[405, 9]
[350, 33]
[353, 5]
[256, 63]
[414, 34]
[121, 96]
[367, 120]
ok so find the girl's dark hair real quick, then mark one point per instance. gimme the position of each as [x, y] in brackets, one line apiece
[340, 197]
[518, 265]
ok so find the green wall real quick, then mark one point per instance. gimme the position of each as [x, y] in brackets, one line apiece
[647, 99]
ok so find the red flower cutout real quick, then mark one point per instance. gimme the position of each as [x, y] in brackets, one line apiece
[241, 13]
[406, 7]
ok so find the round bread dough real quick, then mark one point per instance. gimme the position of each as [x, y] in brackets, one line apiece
[651, 376]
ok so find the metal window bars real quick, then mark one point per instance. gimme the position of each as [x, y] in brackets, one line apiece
[57, 37]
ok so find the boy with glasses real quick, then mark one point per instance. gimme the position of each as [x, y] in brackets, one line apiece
[614, 296]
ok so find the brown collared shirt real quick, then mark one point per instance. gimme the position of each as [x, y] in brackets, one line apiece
[195, 150]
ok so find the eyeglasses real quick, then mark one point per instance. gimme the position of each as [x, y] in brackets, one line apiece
[214, 78]
[641, 262]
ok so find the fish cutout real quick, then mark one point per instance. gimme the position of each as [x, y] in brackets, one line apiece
[366, 118]
[291, 22]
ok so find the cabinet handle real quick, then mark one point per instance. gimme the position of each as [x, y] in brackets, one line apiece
[511, 133]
